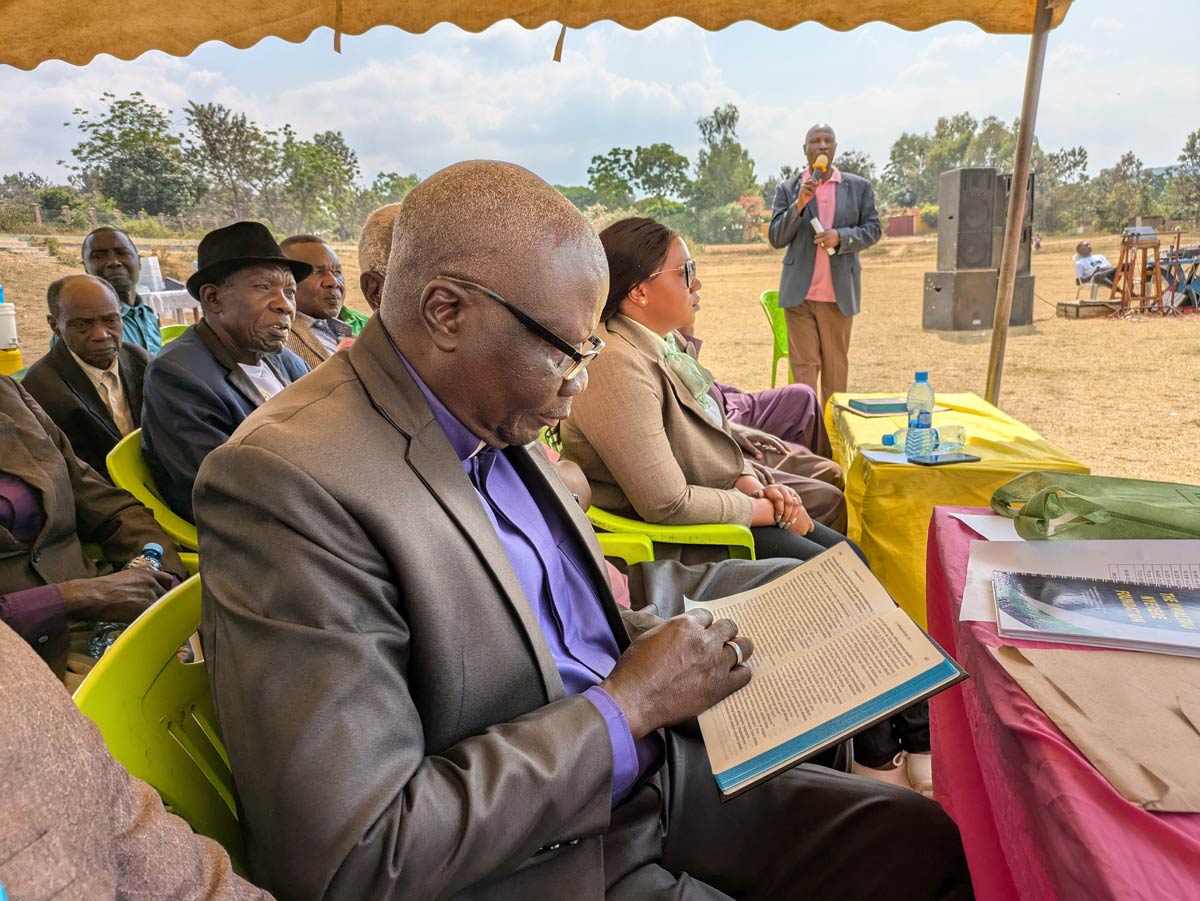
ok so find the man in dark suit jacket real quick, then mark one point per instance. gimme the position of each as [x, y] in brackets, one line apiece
[214, 375]
[91, 380]
[424, 685]
[824, 217]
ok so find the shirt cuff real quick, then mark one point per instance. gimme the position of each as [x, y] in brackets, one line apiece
[38, 615]
[625, 757]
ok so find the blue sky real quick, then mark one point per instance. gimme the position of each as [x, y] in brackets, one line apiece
[418, 102]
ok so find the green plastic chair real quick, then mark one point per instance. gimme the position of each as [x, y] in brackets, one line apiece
[157, 717]
[737, 539]
[129, 471]
[627, 546]
[769, 300]
[171, 332]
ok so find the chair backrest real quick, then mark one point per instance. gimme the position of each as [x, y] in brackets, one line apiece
[172, 331]
[128, 470]
[769, 300]
[157, 717]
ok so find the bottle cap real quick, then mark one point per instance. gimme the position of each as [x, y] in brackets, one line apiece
[152, 549]
[922, 376]
[889, 440]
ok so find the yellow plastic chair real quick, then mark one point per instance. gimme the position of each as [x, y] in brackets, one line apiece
[738, 539]
[769, 300]
[627, 546]
[172, 331]
[157, 717]
[129, 471]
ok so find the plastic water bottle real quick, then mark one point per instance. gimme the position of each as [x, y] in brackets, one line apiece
[104, 634]
[946, 438]
[919, 440]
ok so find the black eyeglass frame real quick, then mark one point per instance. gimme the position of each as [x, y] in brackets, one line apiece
[579, 359]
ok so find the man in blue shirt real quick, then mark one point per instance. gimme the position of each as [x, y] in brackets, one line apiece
[110, 254]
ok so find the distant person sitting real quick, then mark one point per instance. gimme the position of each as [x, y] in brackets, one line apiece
[51, 502]
[319, 299]
[374, 246]
[214, 375]
[109, 253]
[90, 383]
[1092, 268]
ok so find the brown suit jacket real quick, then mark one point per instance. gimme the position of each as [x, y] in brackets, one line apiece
[306, 345]
[73, 823]
[645, 443]
[79, 505]
[65, 392]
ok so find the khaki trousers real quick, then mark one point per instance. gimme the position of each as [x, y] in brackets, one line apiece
[819, 344]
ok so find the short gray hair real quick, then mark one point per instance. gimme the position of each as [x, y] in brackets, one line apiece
[375, 241]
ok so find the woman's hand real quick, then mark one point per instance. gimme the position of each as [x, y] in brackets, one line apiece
[754, 441]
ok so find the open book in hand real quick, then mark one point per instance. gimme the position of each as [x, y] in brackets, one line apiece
[833, 655]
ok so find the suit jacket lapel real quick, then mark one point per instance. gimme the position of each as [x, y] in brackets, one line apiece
[131, 381]
[399, 400]
[304, 334]
[81, 386]
[235, 375]
[636, 336]
[846, 210]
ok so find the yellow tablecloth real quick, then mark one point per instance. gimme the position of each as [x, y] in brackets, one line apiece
[890, 504]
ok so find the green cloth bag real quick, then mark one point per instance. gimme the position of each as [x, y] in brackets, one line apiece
[1066, 505]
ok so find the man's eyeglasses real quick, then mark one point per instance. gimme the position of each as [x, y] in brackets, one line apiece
[579, 358]
[689, 273]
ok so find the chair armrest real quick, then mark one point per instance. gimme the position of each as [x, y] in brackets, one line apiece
[736, 538]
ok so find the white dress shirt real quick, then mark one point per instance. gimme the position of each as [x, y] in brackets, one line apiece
[264, 378]
[112, 392]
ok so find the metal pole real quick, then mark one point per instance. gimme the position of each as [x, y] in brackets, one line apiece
[1016, 200]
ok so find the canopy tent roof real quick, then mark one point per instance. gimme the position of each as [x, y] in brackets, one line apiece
[33, 31]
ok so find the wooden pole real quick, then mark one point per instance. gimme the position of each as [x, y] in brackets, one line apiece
[1016, 200]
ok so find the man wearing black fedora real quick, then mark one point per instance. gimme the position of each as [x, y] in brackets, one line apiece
[210, 378]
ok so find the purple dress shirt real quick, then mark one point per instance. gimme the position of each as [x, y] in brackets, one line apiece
[36, 614]
[551, 568]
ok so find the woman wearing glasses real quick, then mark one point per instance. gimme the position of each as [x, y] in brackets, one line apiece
[648, 433]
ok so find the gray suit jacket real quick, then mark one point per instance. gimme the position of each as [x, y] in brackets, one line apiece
[395, 719]
[857, 224]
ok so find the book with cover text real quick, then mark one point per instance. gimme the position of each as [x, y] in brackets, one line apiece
[1107, 613]
[833, 655]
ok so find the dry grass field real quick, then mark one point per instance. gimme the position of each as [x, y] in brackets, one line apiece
[1119, 395]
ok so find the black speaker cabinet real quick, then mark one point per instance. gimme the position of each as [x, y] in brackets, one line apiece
[1025, 255]
[966, 300]
[966, 218]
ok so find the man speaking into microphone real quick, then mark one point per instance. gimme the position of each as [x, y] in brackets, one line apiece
[824, 218]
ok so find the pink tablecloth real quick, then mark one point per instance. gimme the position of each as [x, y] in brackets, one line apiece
[1037, 820]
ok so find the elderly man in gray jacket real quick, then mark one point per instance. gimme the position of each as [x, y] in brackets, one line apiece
[824, 217]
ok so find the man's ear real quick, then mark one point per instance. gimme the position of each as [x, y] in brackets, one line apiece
[442, 308]
[52, 322]
[371, 285]
[210, 299]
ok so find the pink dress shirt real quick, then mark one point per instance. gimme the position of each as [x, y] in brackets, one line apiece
[821, 288]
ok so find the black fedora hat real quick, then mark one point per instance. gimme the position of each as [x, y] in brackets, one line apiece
[236, 246]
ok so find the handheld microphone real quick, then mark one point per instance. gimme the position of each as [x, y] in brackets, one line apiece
[820, 166]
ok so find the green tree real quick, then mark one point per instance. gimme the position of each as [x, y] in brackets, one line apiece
[905, 179]
[239, 159]
[855, 162]
[1060, 201]
[130, 155]
[771, 185]
[22, 187]
[1186, 184]
[611, 178]
[724, 169]
[1121, 192]
[320, 181]
[660, 172]
[391, 187]
[580, 195]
